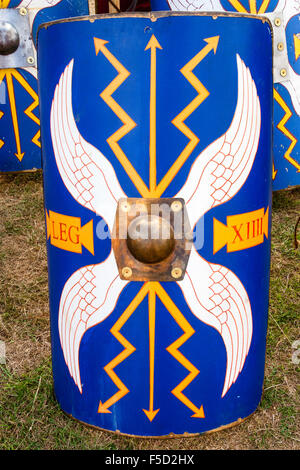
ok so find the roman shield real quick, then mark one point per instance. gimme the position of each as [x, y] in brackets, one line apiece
[157, 136]
[20, 145]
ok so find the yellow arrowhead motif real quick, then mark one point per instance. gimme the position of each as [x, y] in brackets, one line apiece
[151, 414]
[213, 42]
[200, 413]
[153, 43]
[99, 43]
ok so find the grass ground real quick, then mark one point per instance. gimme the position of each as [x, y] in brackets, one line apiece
[30, 417]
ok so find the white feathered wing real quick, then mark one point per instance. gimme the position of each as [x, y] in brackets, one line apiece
[217, 297]
[91, 293]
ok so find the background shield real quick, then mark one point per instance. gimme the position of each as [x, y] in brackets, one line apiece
[20, 146]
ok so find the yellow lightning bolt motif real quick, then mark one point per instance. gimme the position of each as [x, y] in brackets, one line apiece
[129, 349]
[173, 350]
[29, 111]
[128, 123]
[178, 121]
[285, 131]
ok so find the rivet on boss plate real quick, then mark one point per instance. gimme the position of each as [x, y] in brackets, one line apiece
[176, 206]
[283, 72]
[176, 273]
[280, 46]
[277, 22]
[127, 272]
[125, 206]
